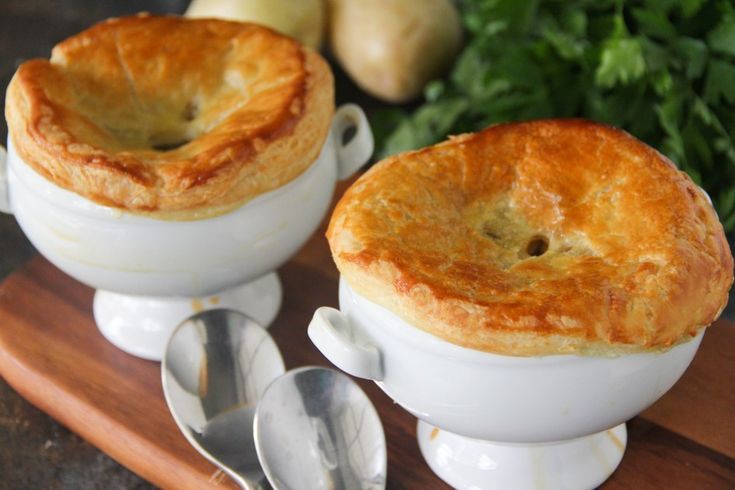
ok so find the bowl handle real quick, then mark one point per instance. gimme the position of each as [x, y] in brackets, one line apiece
[4, 194]
[353, 154]
[333, 334]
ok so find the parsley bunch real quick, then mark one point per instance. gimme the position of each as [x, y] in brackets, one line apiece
[664, 70]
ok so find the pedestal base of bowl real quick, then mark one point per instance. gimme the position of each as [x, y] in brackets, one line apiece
[141, 325]
[467, 463]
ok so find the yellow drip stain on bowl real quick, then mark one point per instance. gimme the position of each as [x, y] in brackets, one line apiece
[537, 467]
[64, 236]
[263, 239]
[197, 305]
[214, 300]
[618, 443]
[434, 433]
[600, 455]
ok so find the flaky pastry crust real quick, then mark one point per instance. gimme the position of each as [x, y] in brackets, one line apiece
[172, 117]
[538, 238]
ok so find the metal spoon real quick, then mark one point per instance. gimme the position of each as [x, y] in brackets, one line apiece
[216, 366]
[316, 429]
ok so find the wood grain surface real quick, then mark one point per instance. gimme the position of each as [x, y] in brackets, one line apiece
[52, 353]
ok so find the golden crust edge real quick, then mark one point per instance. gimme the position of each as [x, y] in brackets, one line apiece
[492, 341]
[272, 166]
[376, 283]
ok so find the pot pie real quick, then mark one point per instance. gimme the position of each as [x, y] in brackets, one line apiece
[171, 117]
[537, 238]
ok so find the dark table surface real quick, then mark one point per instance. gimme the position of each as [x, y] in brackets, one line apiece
[35, 451]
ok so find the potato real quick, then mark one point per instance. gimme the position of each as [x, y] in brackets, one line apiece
[302, 19]
[392, 48]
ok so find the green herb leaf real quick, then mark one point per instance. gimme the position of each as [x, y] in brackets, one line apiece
[722, 39]
[689, 8]
[566, 45]
[720, 82]
[660, 6]
[429, 125]
[669, 115]
[621, 62]
[728, 222]
[654, 23]
[434, 90]
[692, 56]
[726, 202]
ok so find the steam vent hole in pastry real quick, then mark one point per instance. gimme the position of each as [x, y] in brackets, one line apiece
[537, 246]
[509, 231]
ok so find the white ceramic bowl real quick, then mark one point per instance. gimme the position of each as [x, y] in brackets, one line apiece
[493, 421]
[151, 274]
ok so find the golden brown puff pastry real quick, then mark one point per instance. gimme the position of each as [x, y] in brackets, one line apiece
[528, 239]
[173, 117]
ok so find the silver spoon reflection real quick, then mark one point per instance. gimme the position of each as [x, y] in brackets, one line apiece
[224, 382]
[316, 429]
[216, 366]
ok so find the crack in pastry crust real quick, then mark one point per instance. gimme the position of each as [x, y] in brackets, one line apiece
[171, 117]
[538, 238]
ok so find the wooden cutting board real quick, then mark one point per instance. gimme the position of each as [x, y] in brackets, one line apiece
[52, 353]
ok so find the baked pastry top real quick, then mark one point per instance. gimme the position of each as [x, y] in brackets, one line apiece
[172, 117]
[537, 238]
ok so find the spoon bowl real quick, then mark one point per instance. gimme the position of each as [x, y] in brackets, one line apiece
[216, 366]
[316, 429]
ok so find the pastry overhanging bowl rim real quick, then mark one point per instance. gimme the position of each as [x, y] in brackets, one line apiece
[223, 164]
[433, 344]
[72, 202]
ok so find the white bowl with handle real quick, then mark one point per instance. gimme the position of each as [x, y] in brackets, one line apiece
[150, 274]
[495, 421]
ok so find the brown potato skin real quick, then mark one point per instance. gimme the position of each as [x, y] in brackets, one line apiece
[392, 48]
